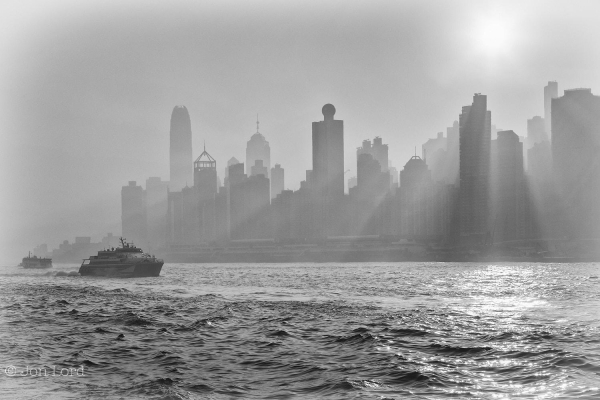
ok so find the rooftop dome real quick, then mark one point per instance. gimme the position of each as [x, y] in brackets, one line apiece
[328, 111]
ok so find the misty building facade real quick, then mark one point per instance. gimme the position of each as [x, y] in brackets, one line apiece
[277, 180]
[259, 169]
[474, 187]
[328, 168]
[206, 188]
[511, 211]
[576, 159]
[550, 92]
[257, 148]
[249, 201]
[435, 155]
[181, 173]
[157, 194]
[424, 206]
[133, 213]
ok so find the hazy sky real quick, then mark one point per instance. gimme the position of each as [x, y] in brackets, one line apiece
[87, 87]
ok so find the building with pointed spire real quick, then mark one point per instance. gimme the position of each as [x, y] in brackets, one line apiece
[181, 160]
[205, 174]
[257, 149]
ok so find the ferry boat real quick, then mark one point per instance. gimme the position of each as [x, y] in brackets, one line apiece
[127, 261]
[36, 262]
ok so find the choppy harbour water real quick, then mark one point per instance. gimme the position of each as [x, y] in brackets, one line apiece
[279, 331]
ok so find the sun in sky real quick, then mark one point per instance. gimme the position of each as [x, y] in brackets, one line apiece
[494, 36]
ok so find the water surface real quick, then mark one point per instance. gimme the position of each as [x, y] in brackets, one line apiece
[279, 331]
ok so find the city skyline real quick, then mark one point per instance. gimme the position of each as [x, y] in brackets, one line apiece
[79, 134]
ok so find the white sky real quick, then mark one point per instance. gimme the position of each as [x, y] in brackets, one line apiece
[87, 87]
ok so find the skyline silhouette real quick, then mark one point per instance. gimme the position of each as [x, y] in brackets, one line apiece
[84, 90]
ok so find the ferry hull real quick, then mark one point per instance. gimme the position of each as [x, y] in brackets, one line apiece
[36, 264]
[125, 270]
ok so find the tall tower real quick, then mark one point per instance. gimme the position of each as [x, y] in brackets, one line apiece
[133, 213]
[205, 175]
[576, 159]
[328, 171]
[181, 149]
[257, 149]
[475, 137]
[508, 189]
[277, 180]
[328, 155]
[550, 92]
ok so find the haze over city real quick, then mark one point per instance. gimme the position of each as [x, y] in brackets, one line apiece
[88, 88]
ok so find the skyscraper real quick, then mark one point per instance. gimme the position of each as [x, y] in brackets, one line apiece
[576, 159]
[277, 180]
[157, 192]
[328, 155]
[509, 194]
[133, 213]
[475, 137]
[328, 168]
[205, 175]
[206, 187]
[257, 149]
[181, 172]
[550, 92]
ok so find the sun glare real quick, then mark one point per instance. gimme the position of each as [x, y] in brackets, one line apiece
[494, 37]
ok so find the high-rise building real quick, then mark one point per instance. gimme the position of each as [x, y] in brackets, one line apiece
[206, 188]
[377, 150]
[394, 178]
[157, 193]
[277, 180]
[424, 205]
[249, 205]
[452, 154]
[257, 149]
[205, 175]
[181, 172]
[536, 131]
[281, 208]
[328, 155]
[372, 183]
[328, 169]
[133, 213]
[510, 215]
[259, 169]
[475, 137]
[576, 159]
[550, 92]
[232, 161]
[435, 155]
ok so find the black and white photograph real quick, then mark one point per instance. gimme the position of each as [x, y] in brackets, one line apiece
[334, 199]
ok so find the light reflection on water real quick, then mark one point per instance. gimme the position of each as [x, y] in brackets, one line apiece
[373, 330]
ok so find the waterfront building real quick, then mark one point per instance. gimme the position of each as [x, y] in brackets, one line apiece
[181, 173]
[157, 193]
[133, 213]
[277, 180]
[475, 137]
[576, 161]
[328, 169]
[550, 92]
[257, 148]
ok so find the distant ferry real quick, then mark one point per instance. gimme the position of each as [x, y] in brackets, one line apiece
[36, 262]
[126, 261]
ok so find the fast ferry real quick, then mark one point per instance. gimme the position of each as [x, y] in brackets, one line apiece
[127, 261]
[36, 262]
